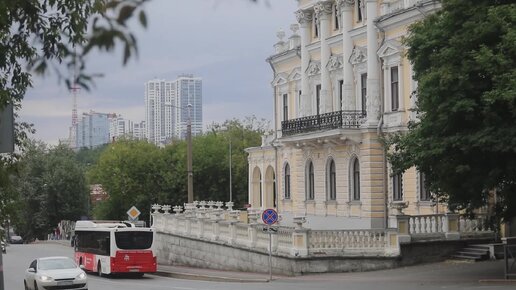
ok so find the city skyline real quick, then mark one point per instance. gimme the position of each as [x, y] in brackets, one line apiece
[230, 59]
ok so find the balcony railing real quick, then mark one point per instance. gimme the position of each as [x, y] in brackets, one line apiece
[328, 121]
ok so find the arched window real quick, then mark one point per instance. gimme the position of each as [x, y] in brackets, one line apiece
[355, 180]
[310, 181]
[331, 181]
[287, 181]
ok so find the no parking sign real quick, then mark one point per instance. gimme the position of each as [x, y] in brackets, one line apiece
[269, 216]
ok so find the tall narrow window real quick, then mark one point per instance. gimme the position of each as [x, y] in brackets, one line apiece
[359, 10]
[299, 100]
[318, 99]
[397, 187]
[274, 194]
[315, 26]
[363, 91]
[285, 107]
[395, 102]
[336, 17]
[310, 181]
[424, 192]
[356, 179]
[341, 92]
[287, 181]
[331, 186]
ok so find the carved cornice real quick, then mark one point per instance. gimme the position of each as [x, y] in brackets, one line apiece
[358, 55]
[323, 8]
[344, 4]
[314, 68]
[334, 63]
[303, 16]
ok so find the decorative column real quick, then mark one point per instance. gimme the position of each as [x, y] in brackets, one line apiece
[451, 226]
[323, 11]
[373, 74]
[304, 18]
[346, 24]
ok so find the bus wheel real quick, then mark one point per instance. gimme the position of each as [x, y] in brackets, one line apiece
[99, 269]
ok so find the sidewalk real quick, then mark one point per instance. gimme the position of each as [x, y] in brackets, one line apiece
[190, 273]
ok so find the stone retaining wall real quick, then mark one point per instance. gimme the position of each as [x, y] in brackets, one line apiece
[178, 250]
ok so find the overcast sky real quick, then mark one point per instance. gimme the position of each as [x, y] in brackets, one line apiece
[225, 42]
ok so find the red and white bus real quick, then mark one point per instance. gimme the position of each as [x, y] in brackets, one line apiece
[114, 247]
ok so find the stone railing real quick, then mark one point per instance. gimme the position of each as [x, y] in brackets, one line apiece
[352, 242]
[225, 227]
[448, 226]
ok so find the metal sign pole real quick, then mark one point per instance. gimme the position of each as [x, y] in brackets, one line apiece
[270, 252]
[1, 272]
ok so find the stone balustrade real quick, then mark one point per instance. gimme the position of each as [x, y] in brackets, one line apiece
[203, 221]
[443, 226]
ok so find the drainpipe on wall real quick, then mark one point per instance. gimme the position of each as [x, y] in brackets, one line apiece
[275, 137]
[379, 131]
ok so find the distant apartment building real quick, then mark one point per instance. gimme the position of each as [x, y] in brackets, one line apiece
[139, 131]
[188, 92]
[120, 127]
[92, 130]
[166, 108]
[159, 119]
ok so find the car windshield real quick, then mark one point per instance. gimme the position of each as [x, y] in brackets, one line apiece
[133, 240]
[54, 264]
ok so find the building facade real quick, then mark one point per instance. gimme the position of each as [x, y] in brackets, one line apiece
[341, 83]
[92, 130]
[167, 109]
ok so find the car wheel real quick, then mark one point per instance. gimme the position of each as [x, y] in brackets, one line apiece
[99, 269]
[25, 285]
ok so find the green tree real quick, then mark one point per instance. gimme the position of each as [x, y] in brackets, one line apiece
[52, 187]
[54, 35]
[132, 173]
[138, 173]
[464, 59]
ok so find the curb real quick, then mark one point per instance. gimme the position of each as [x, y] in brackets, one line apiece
[187, 276]
[498, 281]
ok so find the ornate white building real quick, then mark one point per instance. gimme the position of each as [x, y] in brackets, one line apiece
[341, 82]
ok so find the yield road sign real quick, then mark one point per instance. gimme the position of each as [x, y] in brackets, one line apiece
[269, 216]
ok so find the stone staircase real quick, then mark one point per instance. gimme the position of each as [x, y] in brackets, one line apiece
[474, 253]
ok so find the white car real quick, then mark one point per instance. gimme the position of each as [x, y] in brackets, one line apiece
[55, 273]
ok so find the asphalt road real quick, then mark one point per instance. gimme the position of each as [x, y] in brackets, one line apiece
[452, 276]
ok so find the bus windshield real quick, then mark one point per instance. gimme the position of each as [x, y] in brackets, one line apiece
[133, 240]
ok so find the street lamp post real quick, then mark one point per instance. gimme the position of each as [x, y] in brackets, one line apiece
[230, 175]
[189, 155]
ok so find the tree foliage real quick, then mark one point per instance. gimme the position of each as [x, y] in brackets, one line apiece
[464, 59]
[51, 186]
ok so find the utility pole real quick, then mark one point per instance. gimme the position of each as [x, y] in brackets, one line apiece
[189, 154]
